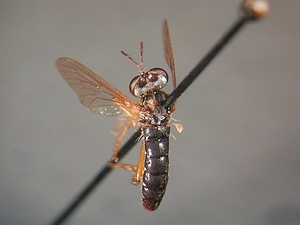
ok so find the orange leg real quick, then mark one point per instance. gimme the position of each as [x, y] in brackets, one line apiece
[140, 165]
[128, 167]
[119, 125]
[139, 168]
[119, 139]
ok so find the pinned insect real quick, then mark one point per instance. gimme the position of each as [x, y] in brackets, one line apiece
[149, 112]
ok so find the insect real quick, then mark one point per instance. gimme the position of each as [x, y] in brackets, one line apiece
[102, 98]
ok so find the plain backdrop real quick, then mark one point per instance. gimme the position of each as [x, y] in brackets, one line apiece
[238, 158]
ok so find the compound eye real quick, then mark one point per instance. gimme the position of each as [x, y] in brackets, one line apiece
[158, 78]
[154, 78]
[137, 85]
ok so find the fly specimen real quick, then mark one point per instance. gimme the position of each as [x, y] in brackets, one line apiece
[149, 112]
[111, 102]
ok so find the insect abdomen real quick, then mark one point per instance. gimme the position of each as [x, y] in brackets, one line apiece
[156, 171]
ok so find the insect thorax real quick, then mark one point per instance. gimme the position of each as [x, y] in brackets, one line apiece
[153, 113]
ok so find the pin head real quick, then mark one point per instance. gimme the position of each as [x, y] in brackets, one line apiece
[256, 9]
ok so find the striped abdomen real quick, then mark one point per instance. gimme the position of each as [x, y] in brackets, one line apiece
[156, 172]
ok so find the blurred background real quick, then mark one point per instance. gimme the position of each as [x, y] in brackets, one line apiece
[238, 158]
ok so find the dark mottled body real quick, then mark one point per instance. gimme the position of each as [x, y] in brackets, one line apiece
[156, 170]
[156, 131]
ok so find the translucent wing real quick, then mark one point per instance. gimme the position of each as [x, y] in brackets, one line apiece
[94, 92]
[168, 51]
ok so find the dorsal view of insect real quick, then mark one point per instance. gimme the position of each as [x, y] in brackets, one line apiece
[102, 98]
[152, 111]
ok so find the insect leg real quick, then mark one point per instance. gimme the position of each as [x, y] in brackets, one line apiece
[119, 139]
[116, 130]
[128, 167]
[139, 168]
[140, 165]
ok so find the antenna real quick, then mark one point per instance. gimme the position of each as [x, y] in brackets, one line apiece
[141, 64]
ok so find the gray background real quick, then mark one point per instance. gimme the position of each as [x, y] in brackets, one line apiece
[236, 162]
